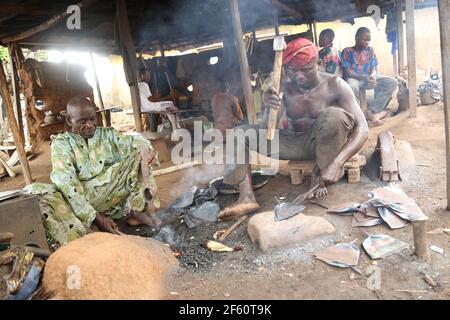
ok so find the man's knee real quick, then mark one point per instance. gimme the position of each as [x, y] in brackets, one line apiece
[333, 121]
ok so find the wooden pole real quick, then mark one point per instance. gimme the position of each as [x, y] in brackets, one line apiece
[400, 37]
[444, 15]
[128, 53]
[411, 51]
[99, 92]
[243, 62]
[420, 240]
[16, 91]
[316, 39]
[46, 25]
[18, 140]
[394, 64]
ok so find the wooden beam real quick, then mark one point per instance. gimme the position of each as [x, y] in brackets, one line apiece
[400, 37]
[411, 51]
[444, 15]
[243, 62]
[18, 140]
[16, 90]
[99, 92]
[46, 25]
[128, 52]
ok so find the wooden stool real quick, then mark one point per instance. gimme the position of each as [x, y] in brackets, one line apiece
[297, 170]
[353, 168]
[158, 140]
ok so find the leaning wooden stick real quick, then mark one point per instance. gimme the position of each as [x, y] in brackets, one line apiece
[230, 229]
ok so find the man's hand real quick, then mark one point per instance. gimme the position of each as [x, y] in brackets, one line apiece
[372, 80]
[271, 98]
[104, 223]
[332, 173]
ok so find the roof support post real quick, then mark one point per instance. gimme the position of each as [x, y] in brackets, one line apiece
[444, 15]
[400, 37]
[243, 62]
[128, 52]
[410, 42]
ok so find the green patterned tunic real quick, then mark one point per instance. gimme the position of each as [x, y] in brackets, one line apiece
[98, 175]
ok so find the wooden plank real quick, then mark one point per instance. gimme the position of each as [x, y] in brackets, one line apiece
[18, 140]
[243, 62]
[444, 16]
[400, 37]
[46, 25]
[411, 52]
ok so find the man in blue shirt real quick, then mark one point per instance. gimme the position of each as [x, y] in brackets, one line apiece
[360, 69]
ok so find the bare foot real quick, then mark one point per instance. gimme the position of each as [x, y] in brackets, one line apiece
[238, 209]
[245, 204]
[139, 218]
[315, 179]
[375, 122]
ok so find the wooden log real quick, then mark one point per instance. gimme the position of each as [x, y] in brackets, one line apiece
[243, 62]
[46, 25]
[444, 16]
[99, 92]
[18, 140]
[400, 37]
[175, 168]
[411, 52]
[420, 240]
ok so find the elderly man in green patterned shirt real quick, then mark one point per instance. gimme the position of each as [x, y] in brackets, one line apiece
[96, 178]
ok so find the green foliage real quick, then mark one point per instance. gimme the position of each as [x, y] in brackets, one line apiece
[3, 54]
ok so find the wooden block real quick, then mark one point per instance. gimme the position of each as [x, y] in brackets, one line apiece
[296, 176]
[354, 175]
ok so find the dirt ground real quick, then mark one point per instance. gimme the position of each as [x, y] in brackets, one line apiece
[293, 273]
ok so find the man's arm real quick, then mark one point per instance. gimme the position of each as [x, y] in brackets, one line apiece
[64, 176]
[346, 100]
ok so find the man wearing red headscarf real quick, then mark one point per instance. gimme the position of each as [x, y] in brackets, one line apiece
[325, 124]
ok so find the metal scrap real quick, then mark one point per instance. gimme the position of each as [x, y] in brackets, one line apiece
[381, 245]
[343, 255]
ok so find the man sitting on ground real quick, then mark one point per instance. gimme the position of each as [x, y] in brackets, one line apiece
[96, 175]
[325, 124]
[360, 69]
[330, 58]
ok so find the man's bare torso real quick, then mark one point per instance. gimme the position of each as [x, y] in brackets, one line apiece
[304, 107]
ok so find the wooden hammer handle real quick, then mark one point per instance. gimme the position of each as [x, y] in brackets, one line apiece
[273, 113]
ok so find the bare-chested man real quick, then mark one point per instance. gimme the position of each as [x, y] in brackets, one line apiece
[325, 124]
